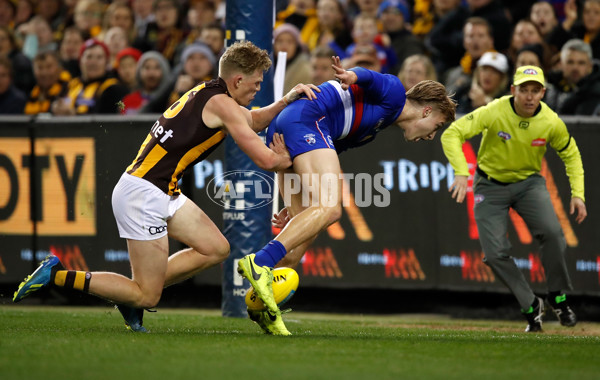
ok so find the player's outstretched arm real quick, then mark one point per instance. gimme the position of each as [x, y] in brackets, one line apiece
[260, 118]
[221, 111]
[383, 89]
[347, 78]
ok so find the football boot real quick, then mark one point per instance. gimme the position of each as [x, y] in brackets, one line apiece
[133, 318]
[38, 279]
[534, 315]
[261, 279]
[270, 323]
[563, 312]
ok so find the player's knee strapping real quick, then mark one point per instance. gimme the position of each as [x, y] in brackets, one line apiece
[73, 279]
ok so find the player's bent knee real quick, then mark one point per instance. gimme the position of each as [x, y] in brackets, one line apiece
[149, 301]
[223, 250]
[147, 298]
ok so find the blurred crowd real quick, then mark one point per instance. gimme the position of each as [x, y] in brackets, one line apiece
[75, 57]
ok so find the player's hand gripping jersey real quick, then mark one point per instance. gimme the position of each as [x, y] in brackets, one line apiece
[340, 119]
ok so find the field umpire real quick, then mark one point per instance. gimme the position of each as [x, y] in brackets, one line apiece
[515, 130]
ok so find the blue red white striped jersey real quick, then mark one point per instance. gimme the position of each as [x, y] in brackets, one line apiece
[374, 102]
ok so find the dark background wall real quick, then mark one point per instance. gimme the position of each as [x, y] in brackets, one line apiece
[422, 245]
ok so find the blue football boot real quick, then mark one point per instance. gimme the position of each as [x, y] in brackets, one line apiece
[133, 318]
[38, 279]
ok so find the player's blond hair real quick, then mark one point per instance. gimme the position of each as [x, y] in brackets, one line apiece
[432, 93]
[243, 57]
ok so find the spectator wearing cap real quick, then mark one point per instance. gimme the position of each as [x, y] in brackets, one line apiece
[490, 81]
[198, 64]
[286, 38]
[303, 15]
[395, 16]
[52, 83]
[152, 76]
[126, 65]
[164, 34]
[95, 91]
[12, 100]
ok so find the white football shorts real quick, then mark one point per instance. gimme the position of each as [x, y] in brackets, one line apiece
[142, 209]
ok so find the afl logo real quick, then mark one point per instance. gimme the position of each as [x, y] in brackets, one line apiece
[530, 72]
[228, 190]
[478, 198]
[505, 136]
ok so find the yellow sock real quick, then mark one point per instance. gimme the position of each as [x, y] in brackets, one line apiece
[73, 279]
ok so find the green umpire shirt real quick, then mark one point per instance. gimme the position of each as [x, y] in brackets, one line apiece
[512, 147]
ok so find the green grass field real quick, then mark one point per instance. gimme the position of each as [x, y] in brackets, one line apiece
[91, 343]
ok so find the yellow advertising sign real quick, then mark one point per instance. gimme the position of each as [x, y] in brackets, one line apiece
[64, 175]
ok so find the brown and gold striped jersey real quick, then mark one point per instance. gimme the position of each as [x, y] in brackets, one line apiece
[178, 139]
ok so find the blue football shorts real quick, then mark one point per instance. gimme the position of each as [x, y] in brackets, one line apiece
[303, 126]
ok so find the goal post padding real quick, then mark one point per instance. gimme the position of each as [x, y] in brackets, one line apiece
[246, 230]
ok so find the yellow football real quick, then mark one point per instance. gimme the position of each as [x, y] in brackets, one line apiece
[285, 283]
